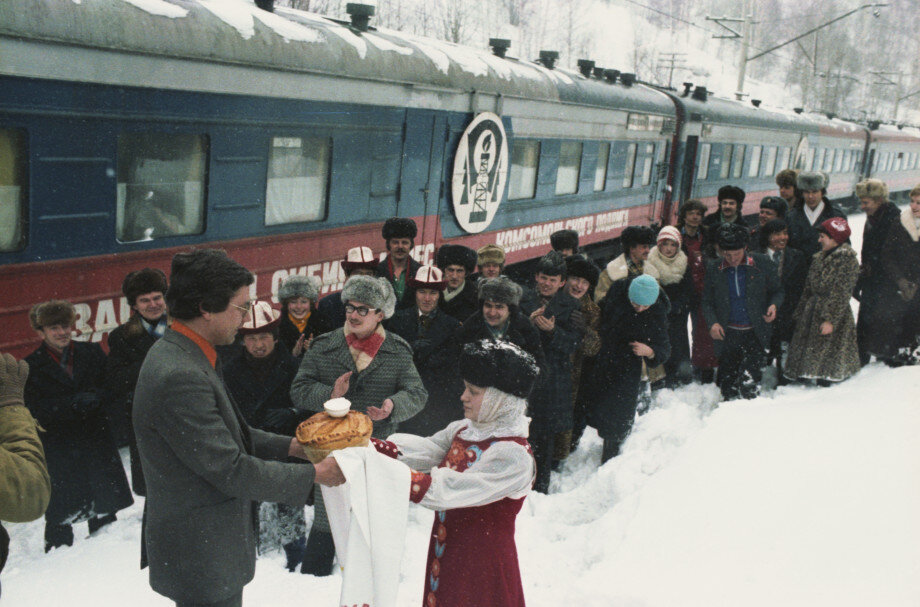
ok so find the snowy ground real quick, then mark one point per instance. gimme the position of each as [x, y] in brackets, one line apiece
[803, 497]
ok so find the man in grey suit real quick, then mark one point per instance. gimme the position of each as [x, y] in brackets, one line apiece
[205, 468]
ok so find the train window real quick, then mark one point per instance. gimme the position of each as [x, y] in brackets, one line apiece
[647, 161]
[12, 189]
[298, 173]
[703, 167]
[770, 165]
[525, 160]
[828, 161]
[737, 161]
[630, 165]
[838, 161]
[726, 167]
[754, 167]
[784, 159]
[600, 173]
[161, 185]
[569, 167]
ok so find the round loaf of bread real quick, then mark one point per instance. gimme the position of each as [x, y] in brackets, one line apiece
[322, 434]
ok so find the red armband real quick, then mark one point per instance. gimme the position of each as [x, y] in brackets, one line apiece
[386, 447]
[419, 486]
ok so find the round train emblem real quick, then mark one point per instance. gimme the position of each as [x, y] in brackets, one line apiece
[480, 172]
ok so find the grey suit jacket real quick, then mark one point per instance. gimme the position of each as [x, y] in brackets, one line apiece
[205, 470]
[392, 374]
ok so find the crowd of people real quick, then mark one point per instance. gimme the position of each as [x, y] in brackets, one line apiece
[461, 367]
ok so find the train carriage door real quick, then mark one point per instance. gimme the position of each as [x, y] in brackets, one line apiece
[688, 171]
[659, 181]
[420, 191]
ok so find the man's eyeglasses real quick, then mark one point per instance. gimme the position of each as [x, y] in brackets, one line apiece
[361, 310]
[245, 309]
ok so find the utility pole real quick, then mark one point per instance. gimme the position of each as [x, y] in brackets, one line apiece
[746, 22]
[671, 61]
[884, 80]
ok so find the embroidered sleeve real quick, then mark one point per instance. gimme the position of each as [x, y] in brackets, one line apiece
[505, 469]
[385, 447]
[424, 453]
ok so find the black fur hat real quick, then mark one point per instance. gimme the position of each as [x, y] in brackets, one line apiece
[551, 264]
[500, 290]
[54, 312]
[732, 236]
[564, 239]
[579, 267]
[635, 235]
[399, 227]
[499, 364]
[139, 282]
[733, 192]
[456, 254]
[775, 203]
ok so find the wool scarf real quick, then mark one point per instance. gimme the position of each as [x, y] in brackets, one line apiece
[668, 270]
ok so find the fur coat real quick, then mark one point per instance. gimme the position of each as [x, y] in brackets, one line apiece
[826, 298]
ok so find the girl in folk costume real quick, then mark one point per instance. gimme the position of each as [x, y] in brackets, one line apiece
[823, 346]
[475, 474]
[669, 265]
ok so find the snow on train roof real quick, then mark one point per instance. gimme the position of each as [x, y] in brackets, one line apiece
[236, 32]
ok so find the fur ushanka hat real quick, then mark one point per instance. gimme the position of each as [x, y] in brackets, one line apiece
[490, 253]
[786, 178]
[731, 192]
[371, 291]
[399, 227]
[500, 290]
[872, 188]
[636, 235]
[811, 181]
[564, 239]
[140, 282]
[551, 264]
[54, 312]
[731, 237]
[579, 267]
[456, 255]
[296, 286]
[499, 364]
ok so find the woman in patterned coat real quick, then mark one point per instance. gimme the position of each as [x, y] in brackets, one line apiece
[475, 474]
[823, 347]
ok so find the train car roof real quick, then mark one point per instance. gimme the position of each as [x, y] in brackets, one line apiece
[889, 132]
[237, 33]
[727, 111]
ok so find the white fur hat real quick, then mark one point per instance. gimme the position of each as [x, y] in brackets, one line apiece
[372, 291]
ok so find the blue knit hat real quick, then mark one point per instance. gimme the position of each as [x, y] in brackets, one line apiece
[643, 290]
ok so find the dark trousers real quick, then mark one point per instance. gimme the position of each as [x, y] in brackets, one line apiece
[740, 364]
[542, 442]
[234, 601]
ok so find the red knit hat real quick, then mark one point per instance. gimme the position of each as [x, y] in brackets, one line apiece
[837, 228]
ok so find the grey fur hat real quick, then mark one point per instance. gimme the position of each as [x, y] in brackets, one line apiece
[299, 286]
[372, 291]
[811, 181]
[500, 290]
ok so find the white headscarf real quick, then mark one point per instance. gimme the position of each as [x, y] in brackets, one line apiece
[501, 414]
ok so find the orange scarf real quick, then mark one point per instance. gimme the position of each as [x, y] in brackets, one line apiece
[300, 323]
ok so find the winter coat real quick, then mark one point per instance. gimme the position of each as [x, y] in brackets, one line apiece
[391, 374]
[87, 477]
[332, 309]
[676, 278]
[792, 270]
[802, 233]
[408, 298]
[698, 249]
[763, 289]
[25, 486]
[463, 305]
[551, 400]
[618, 371]
[436, 352]
[880, 306]
[826, 298]
[256, 396]
[591, 343]
[206, 470]
[317, 324]
[901, 263]
[520, 332]
[128, 346]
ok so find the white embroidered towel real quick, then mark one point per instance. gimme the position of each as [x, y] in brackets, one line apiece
[368, 516]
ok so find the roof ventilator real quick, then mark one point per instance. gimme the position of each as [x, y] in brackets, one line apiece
[499, 46]
[798, 110]
[549, 58]
[585, 66]
[611, 75]
[700, 93]
[628, 79]
[599, 72]
[266, 5]
[688, 86]
[756, 102]
[874, 124]
[360, 15]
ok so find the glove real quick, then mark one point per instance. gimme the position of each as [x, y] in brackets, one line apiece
[13, 375]
[84, 403]
[279, 420]
[908, 289]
